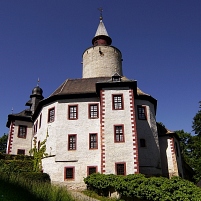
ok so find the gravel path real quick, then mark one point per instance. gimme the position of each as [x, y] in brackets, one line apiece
[80, 196]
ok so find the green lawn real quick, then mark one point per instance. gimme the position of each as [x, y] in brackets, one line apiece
[9, 192]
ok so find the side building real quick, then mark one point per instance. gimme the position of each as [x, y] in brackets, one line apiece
[101, 122]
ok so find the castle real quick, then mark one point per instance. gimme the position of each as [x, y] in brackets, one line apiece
[101, 122]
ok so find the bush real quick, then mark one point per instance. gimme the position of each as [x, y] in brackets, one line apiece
[35, 176]
[138, 186]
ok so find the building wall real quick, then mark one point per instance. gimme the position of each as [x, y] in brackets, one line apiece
[57, 142]
[118, 152]
[19, 143]
[171, 160]
[101, 61]
[149, 156]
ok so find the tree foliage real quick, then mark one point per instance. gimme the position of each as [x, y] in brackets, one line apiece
[197, 122]
[3, 143]
[191, 146]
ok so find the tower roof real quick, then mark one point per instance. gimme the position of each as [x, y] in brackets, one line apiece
[101, 30]
[101, 37]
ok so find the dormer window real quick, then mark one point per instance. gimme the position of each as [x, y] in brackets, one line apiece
[116, 78]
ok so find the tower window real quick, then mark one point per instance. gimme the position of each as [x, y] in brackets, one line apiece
[141, 112]
[120, 168]
[40, 119]
[22, 131]
[93, 111]
[117, 102]
[72, 112]
[72, 141]
[51, 114]
[118, 133]
[142, 143]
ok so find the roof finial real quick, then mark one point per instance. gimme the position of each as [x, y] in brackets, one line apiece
[101, 12]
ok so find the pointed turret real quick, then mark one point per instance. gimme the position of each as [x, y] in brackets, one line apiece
[101, 37]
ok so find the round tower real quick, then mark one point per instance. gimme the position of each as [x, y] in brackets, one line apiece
[101, 60]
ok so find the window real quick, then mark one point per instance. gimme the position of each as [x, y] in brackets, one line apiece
[72, 142]
[118, 133]
[93, 141]
[22, 131]
[93, 111]
[72, 112]
[176, 148]
[141, 112]
[91, 170]
[117, 102]
[51, 114]
[38, 145]
[142, 143]
[69, 173]
[120, 168]
[40, 119]
[36, 127]
[21, 151]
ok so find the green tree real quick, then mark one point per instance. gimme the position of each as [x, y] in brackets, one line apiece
[3, 143]
[197, 122]
[191, 145]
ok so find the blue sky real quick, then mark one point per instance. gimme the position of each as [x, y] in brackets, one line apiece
[160, 42]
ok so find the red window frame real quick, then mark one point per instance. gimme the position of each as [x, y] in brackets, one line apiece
[93, 113]
[72, 142]
[142, 113]
[72, 112]
[118, 168]
[71, 171]
[90, 170]
[119, 133]
[93, 143]
[22, 131]
[51, 114]
[117, 102]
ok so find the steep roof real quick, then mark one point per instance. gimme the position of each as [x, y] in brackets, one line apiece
[101, 30]
[86, 85]
[25, 115]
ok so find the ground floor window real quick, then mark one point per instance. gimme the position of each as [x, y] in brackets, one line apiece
[91, 170]
[69, 173]
[120, 168]
[21, 151]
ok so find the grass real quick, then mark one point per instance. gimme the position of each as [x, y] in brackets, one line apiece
[14, 188]
[11, 192]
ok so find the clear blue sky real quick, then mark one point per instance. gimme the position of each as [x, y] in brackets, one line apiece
[160, 42]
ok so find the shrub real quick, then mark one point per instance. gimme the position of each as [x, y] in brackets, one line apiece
[138, 186]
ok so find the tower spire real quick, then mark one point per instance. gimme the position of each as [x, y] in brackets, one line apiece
[101, 37]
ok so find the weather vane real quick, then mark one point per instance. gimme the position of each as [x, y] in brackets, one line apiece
[101, 12]
[38, 82]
